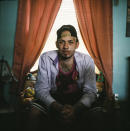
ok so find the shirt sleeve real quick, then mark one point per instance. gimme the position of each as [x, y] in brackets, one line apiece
[89, 85]
[42, 87]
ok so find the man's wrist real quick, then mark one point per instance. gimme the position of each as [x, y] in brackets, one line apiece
[56, 106]
[79, 107]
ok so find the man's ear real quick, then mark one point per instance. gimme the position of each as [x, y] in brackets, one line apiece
[77, 45]
[56, 44]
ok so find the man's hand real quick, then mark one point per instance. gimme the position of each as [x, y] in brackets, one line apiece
[68, 113]
[65, 114]
[56, 107]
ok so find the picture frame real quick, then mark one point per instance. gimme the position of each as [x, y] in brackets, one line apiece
[128, 19]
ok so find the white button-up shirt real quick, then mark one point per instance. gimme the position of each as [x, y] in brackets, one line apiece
[48, 70]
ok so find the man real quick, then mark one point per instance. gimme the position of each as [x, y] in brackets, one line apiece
[66, 84]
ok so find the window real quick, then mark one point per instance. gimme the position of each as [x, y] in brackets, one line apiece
[66, 15]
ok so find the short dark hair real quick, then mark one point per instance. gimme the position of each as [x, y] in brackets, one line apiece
[69, 28]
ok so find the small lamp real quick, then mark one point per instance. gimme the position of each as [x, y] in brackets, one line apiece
[5, 71]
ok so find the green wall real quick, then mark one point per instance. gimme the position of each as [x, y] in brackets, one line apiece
[121, 43]
[8, 14]
[121, 50]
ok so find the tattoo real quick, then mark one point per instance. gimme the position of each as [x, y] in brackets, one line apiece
[65, 34]
[65, 68]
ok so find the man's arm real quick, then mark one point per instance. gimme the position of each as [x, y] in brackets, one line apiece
[89, 86]
[89, 93]
[42, 88]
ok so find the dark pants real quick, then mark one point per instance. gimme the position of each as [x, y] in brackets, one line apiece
[94, 119]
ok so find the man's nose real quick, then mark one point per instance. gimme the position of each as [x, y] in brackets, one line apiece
[66, 45]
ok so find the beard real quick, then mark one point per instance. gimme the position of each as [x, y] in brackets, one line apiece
[65, 57]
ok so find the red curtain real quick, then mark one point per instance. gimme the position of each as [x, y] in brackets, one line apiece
[34, 22]
[95, 23]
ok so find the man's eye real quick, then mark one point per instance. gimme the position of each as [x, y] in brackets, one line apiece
[61, 42]
[71, 42]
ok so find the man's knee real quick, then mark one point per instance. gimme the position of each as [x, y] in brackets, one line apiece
[37, 114]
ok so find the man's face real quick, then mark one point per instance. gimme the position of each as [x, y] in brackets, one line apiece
[67, 45]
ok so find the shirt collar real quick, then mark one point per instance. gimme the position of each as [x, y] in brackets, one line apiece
[54, 56]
